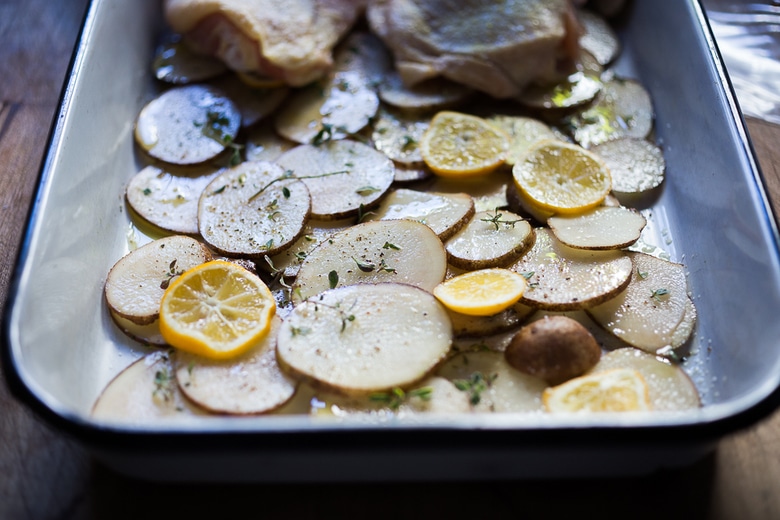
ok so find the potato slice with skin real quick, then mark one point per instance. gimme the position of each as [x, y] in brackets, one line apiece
[365, 338]
[622, 109]
[328, 110]
[651, 313]
[145, 393]
[148, 334]
[187, 125]
[401, 251]
[488, 191]
[466, 326]
[136, 283]
[253, 209]
[563, 278]
[397, 136]
[636, 165]
[411, 174]
[606, 227]
[254, 104]
[250, 384]
[668, 386]
[168, 200]
[490, 239]
[444, 213]
[492, 384]
[342, 176]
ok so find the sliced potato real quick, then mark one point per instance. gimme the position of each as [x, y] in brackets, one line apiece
[136, 283]
[145, 393]
[402, 251]
[636, 165]
[444, 213]
[331, 109]
[343, 177]
[605, 227]
[492, 384]
[187, 125]
[250, 384]
[409, 174]
[174, 62]
[490, 239]
[362, 52]
[166, 199]
[576, 90]
[253, 209]
[564, 278]
[598, 37]
[398, 135]
[148, 334]
[668, 386]
[430, 95]
[488, 191]
[622, 109]
[654, 313]
[523, 132]
[365, 338]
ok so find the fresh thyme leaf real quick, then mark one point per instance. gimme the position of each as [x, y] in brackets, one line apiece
[219, 190]
[495, 219]
[383, 267]
[367, 190]
[475, 385]
[300, 331]
[289, 175]
[324, 135]
[388, 245]
[365, 266]
[362, 213]
[642, 274]
[656, 295]
[333, 279]
[147, 191]
[286, 192]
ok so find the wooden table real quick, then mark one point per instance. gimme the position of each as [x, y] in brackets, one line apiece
[43, 474]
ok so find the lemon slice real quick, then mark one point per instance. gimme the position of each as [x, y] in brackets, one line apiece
[562, 177]
[481, 293]
[457, 144]
[617, 390]
[217, 310]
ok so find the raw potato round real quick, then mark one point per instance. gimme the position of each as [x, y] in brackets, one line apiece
[254, 104]
[167, 200]
[264, 144]
[250, 384]
[490, 239]
[444, 213]
[554, 348]
[607, 227]
[654, 313]
[466, 326]
[365, 338]
[145, 393]
[668, 386]
[401, 251]
[429, 95]
[148, 334]
[253, 210]
[136, 283]
[187, 125]
[563, 278]
[636, 164]
[492, 384]
[316, 231]
[342, 176]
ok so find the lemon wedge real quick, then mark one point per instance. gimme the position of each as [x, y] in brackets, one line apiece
[484, 292]
[562, 177]
[217, 310]
[458, 145]
[617, 390]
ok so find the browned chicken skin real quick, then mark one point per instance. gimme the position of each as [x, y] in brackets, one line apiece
[495, 46]
[289, 40]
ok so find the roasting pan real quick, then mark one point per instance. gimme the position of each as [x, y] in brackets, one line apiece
[61, 349]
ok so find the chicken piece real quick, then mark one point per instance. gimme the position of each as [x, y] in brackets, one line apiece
[287, 40]
[496, 46]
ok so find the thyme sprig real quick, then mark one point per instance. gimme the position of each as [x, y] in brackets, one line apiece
[397, 396]
[170, 275]
[289, 174]
[475, 385]
[495, 219]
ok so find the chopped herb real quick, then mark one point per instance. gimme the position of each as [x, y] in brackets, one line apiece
[367, 190]
[396, 397]
[388, 245]
[642, 274]
[324, 135]
[383, 267]
[268, 245]
[475, 385]
[656, 295]
[362, 213]
[170, 275]
[147, 191]
[300, 255]
[286, 192]
[163, 385]
[333, 279]
[365, 266]
[219, 190]
[495, 219]
[299, 331]
[408, 143]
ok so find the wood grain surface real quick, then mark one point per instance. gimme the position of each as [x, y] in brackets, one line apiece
[44, 474]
